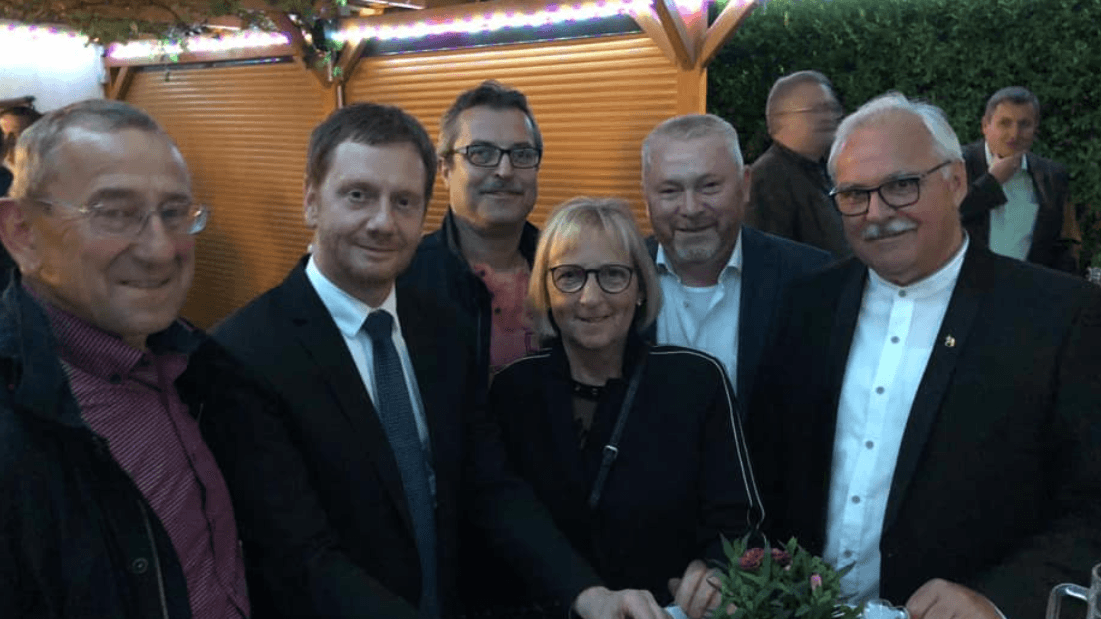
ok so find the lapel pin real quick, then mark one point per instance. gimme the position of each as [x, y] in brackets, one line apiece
[950, 341]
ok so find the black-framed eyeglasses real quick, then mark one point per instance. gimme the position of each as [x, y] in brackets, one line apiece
[896, 193]
[126, 218]
[612, 278]
[489, 155]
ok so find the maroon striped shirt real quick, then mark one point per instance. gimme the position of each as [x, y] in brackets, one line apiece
[128, 397]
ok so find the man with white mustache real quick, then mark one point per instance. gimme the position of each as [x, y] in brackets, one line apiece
[721, 280]
[479, 260]
[928, 410]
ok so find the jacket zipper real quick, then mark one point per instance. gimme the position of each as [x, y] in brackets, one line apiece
[156, 559]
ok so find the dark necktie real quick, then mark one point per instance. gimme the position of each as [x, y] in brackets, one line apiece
[396, 413]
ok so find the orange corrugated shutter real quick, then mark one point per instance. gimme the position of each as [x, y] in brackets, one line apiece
[243, 131]
[595, 101]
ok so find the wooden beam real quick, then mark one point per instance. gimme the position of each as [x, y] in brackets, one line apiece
[120, 82]
[350, 57]
[723, 29]
[651, 25]
[692, 91]
[270, 51]
[676, 31]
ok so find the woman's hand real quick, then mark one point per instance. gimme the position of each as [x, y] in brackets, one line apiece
[693, 591]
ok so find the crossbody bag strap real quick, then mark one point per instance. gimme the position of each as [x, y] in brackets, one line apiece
[611, 450]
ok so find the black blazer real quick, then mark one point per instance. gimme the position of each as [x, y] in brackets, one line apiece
[316, 488]
[681, 479]
[1051, 247]
[769, 264]
[997, 478]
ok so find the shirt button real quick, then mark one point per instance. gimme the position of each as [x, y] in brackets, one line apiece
[848, 553]
[115, 379]
[496, 310]
[901, 293]
[894, 339]
[139, 566]
[869, 444]
[879, 390]
[856, 499]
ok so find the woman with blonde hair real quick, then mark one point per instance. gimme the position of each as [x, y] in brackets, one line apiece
[636, 450]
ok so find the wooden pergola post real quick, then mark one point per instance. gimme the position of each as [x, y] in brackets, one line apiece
[681, 32]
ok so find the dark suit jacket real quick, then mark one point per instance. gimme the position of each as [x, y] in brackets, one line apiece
[997, 478]
[789, 197]
[769, 264]
[1055, 235]
[316, 488]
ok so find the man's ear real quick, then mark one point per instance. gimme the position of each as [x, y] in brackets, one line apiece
[310, 205]
[443, 165]
[17, 235]
[957, 182]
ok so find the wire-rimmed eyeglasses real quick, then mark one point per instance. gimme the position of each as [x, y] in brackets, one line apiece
[489, 155]
[127, 218]
[896, 193]
[612, 278]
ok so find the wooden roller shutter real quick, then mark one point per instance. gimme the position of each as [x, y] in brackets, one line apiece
[243, 131]
[595, 101]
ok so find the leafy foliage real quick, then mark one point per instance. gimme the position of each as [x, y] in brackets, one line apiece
[953, 53]
[779, 583]
[169, 21]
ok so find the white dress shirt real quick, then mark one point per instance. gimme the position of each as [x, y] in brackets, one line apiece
[349, 314]
[704, 318]
[895, 334]
[1011, 224]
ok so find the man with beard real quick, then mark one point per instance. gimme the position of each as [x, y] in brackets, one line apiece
[721, 280]
[479, 260]
[789, 195]
[927, 412]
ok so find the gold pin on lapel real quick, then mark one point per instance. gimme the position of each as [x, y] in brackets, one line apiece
[950, 341]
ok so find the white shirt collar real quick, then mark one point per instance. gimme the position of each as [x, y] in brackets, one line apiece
[348, 312]
[990, 158]
[940, 281]
[733, 264]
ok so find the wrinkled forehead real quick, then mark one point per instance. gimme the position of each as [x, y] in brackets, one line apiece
[893, 143]
[588, 234]
[87, 161]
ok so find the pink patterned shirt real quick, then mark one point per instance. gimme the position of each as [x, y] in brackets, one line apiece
[511, 335]
[128, 397]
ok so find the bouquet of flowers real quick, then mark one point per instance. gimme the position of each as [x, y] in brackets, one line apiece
[779, 583]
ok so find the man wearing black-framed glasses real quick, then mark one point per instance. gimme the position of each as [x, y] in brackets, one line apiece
[123, 510]
[479, 260]
[928, 411]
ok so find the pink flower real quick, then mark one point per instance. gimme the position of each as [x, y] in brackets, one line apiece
[752, 558]
[815, 581]
[780, 557]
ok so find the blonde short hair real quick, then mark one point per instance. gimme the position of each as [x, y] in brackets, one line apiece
[612, 217]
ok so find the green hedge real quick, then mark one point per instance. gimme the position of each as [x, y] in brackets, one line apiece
[953, 53]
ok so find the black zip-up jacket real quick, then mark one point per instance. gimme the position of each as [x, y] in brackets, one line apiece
[77, 538]
[439, 270]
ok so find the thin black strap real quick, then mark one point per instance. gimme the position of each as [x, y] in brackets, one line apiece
[611, 450]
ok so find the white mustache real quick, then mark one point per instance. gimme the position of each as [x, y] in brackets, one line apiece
[891, 227]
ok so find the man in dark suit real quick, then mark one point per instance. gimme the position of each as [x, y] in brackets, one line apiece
[928, 411]
[788, 195]
[720, 280]
[351, 483]
[1019, 202]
